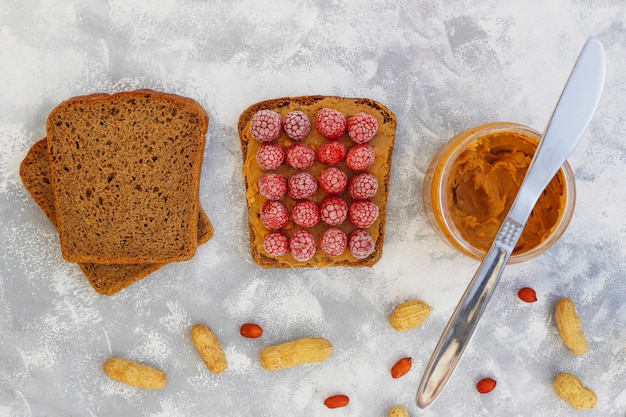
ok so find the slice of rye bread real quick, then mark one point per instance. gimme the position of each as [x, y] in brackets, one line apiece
[382, 143]
[106, 279]
[125, 171]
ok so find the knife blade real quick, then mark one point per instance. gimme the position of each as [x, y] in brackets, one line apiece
[569, 121]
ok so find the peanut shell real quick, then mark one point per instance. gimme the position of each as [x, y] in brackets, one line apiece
[134, 374]
[209, 348]
[569, 325]
[409, 315]
[398, 411]
[572, 390]
[295, 352]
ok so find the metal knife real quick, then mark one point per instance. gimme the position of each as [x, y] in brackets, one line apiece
[569, 121]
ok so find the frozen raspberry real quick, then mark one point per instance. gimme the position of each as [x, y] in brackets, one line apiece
[333, 242]
[297, 125]
[363, 213]
[269, 157]
[272, 186]
[362, 127]
[305, 213]
[333, 211]
[361, 244]
[300, 156]
[274, 215]
[363, 186]
[333, 180]
[302, 245]
[330, 123]
[265, 126]
[276, 244]
[360, 157]
[331, 152]
[301, 185]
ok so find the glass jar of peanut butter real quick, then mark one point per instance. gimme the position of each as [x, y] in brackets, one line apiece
[471, 184]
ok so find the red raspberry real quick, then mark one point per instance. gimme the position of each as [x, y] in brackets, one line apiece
[331, 152]
[363, 213]
[302, 185]
[300, 156]
[297, 125]
[362, 127]
[333, 180]
[333, 211]
[333, 242]
[363, 186]
[360, 157]
[265, 126]
[361, 244]
[269, 157]
[302, 245]
[276, 244]
[274, 215]
[330, 123]
[272, 186]
[305, 213]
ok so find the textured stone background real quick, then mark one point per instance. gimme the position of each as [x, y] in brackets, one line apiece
[442, 67]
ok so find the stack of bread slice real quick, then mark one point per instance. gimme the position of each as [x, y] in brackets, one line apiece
[118, 176]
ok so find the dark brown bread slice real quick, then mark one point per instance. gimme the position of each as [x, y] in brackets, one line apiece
[125, 171]
[382, 142]
[106, 279]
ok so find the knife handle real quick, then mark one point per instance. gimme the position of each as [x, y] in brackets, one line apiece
[459, 330]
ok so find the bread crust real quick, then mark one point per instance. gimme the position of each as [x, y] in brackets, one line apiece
[125, 237]
[106, 279]
[383, 142]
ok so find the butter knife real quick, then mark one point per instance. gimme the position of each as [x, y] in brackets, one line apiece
[569, 121]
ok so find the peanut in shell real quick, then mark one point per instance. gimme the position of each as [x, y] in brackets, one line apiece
[296, 352]
[409, 315]
[209, 348]
[397, 411]
[569, 325]
[134, 374]
[572, 390]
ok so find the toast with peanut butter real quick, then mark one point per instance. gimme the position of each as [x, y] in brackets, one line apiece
[291, 225]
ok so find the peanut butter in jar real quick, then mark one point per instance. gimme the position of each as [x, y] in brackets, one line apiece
[472, 181]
